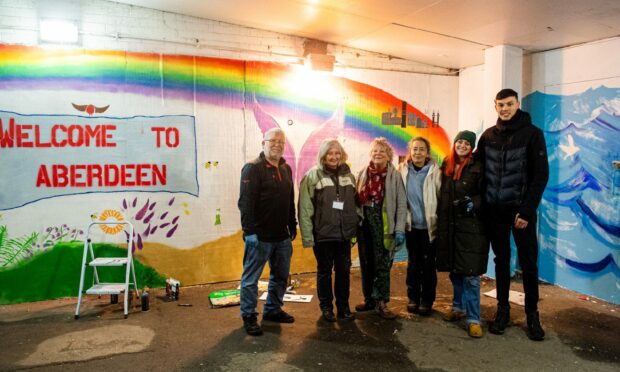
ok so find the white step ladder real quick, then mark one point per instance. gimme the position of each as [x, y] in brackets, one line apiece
[99, 288]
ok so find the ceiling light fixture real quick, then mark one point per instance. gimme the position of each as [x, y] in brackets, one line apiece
[315, 53]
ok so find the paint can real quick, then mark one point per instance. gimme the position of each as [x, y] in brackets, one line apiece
[114, 299]
[144, 300]
[172, 289]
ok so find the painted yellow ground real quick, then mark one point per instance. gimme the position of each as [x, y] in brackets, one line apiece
[215, 261]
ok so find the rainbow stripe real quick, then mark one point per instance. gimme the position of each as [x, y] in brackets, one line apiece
[221, 82]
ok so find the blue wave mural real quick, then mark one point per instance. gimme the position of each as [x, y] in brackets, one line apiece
[579, 230]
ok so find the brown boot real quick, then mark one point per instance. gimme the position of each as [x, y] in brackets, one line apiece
[383, 311]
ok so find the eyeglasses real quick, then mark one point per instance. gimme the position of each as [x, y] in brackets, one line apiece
[275, 142]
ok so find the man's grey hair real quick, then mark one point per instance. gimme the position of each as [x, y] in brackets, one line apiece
[272, 132]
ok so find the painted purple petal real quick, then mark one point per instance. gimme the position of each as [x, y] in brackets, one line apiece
[164, 224]
[152, 206]
[174, 220]
[171, 201]
[163, 215]
[148, 218]
[124, 204]
[142, 211]
[331, 128]
[135, 201]
[139, 241]
[154, 229]
[172, 230]
[146, 232]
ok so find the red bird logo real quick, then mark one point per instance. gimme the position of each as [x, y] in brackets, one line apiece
[90, 109]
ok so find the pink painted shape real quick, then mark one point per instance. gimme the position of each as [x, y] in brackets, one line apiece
[331, 128]
[266, 122]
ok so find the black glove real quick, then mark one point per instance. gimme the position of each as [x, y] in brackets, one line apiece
[293, 234]
[469, 206]
[465, 206]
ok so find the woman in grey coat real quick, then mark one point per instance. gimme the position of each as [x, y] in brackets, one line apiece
[383, 205]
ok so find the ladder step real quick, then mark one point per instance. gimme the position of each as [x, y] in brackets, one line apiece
[108, 261]
[106, 288]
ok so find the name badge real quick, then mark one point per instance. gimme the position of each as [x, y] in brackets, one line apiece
[338, 205]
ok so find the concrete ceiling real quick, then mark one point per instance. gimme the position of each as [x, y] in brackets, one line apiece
[445, 33]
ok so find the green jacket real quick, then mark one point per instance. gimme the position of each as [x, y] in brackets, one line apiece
[320, 220]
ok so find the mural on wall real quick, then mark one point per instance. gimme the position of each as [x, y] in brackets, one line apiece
[161, 140]
[579, 229]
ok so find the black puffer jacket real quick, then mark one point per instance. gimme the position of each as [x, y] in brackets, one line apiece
[516, 166]
[462, 247]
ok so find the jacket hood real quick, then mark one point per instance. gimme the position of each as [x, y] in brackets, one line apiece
[342, 169]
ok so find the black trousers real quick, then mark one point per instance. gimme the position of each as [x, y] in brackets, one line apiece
[499, 227]
[421, 267]
[337, 256]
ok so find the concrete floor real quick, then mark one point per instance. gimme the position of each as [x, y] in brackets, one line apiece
[582, 334]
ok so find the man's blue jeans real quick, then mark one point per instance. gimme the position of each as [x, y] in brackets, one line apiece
[278, 254]
[466, 296]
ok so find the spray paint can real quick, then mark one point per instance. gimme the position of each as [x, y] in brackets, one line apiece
[144, 300]
[176, 292]
[114, 299]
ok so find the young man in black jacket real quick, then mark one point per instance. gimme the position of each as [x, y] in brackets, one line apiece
[266, 203]
[516, 173]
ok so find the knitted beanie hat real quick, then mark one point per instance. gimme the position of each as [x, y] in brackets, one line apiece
[467, 136]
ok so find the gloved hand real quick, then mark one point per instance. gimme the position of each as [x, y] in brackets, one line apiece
[399, 237]
[293, 235]
[251, 241]
[469, 206]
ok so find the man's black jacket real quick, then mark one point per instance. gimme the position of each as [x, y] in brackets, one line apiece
[266, 200]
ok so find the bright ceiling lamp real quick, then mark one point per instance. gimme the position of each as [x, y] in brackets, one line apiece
[58, 31]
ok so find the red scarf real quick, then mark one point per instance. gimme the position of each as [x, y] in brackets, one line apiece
[451, 162]
[374, 188]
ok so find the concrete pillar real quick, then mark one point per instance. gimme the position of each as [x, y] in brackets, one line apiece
[503, 68]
